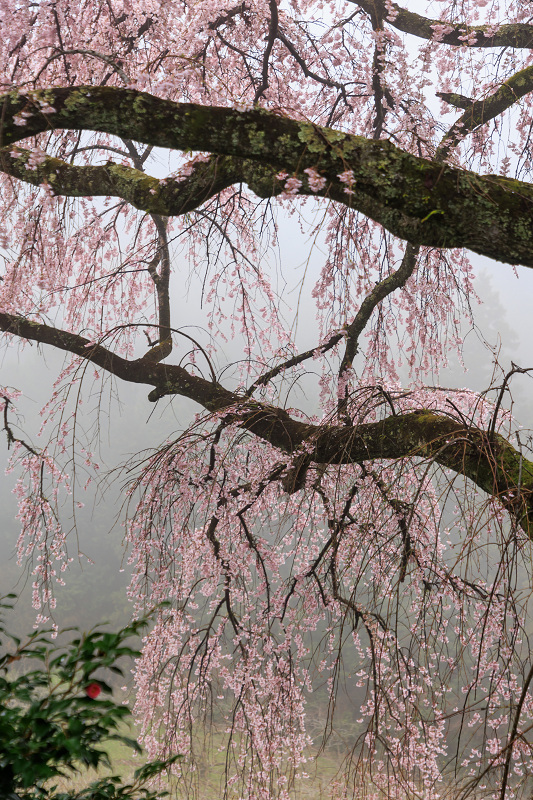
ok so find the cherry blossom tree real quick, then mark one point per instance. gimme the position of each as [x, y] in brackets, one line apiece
[378, 538]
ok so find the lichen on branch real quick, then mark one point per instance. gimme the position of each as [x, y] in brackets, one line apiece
[426, 203]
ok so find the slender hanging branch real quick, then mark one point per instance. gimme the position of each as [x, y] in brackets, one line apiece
[161, 278]
[378, 293]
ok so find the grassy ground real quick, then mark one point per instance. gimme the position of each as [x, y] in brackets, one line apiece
[207, 782]
[208, 779]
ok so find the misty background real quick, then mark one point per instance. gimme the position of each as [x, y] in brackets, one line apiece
[97, 579]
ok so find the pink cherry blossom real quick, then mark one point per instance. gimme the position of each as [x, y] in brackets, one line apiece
[340, 545]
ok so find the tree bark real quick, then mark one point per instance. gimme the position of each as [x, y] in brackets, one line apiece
[421, 201]
[487, 459]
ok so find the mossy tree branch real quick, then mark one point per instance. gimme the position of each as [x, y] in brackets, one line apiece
[487, 459]
[423, 202]
[142, 191]
[518, 35]
[479, 112]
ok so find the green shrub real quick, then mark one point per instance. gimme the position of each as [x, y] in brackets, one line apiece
[57, 713]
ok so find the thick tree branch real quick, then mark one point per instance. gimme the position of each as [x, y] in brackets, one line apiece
[227, 16]
[423, 202]
[479, 112]
[518, 35]
[488, 460]
[164, 197]
[168, 378]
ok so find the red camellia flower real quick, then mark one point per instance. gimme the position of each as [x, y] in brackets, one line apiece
[93, 690]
